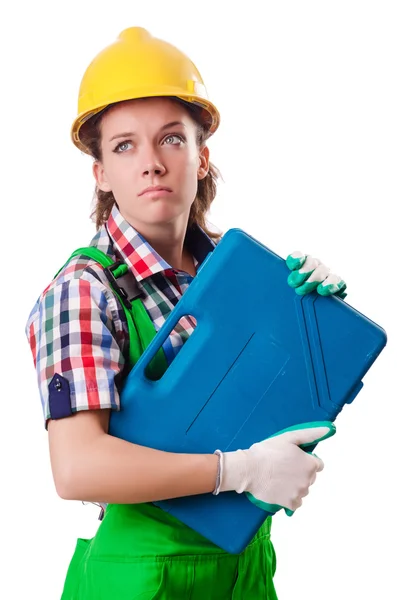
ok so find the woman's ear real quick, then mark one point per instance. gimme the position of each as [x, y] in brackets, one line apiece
[100, 176]
[204, 162]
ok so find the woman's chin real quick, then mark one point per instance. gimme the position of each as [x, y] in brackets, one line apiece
[164, 213]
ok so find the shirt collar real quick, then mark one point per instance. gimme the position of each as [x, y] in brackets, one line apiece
[139, 255]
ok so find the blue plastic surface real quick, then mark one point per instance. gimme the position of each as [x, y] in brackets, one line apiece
[261, 359]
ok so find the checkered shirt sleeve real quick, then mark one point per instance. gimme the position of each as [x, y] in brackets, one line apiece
[74, 332]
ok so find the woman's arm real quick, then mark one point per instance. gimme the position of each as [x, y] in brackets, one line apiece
[89, 464]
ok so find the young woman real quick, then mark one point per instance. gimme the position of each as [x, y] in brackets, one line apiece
[145, 118]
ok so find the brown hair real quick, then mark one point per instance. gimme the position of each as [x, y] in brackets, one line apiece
[90, 136]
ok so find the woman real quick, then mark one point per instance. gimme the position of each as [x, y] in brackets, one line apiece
[144, 118]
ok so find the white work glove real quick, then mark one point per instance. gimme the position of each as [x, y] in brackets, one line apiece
[309, 274]
[275, 473]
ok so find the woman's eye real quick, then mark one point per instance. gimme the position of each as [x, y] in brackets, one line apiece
[172, 139]
[122, 147]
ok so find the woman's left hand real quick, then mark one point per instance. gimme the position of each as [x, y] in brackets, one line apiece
[309, 274]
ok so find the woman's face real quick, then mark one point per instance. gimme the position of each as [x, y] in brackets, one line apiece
[148, 143]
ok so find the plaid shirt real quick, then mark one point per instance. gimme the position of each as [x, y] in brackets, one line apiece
[77, 328]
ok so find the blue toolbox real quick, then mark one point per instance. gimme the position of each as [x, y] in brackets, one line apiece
[260, 360]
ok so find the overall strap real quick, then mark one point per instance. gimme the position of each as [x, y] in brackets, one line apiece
[124, 285]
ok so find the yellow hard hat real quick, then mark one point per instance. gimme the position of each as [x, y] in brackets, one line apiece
[138, 65]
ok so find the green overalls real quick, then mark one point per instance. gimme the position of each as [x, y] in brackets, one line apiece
[141, 552]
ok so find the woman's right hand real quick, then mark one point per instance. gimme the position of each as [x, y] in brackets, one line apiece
[276, 473]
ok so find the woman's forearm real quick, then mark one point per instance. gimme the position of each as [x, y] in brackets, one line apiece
[115, 471]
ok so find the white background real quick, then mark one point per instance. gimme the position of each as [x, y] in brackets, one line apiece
[308, 152]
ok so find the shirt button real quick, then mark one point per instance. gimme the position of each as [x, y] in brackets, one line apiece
[58, 385]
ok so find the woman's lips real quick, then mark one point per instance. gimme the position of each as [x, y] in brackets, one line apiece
[155, 191]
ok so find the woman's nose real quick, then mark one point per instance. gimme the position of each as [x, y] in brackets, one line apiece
[154, 168]
[152, 163]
